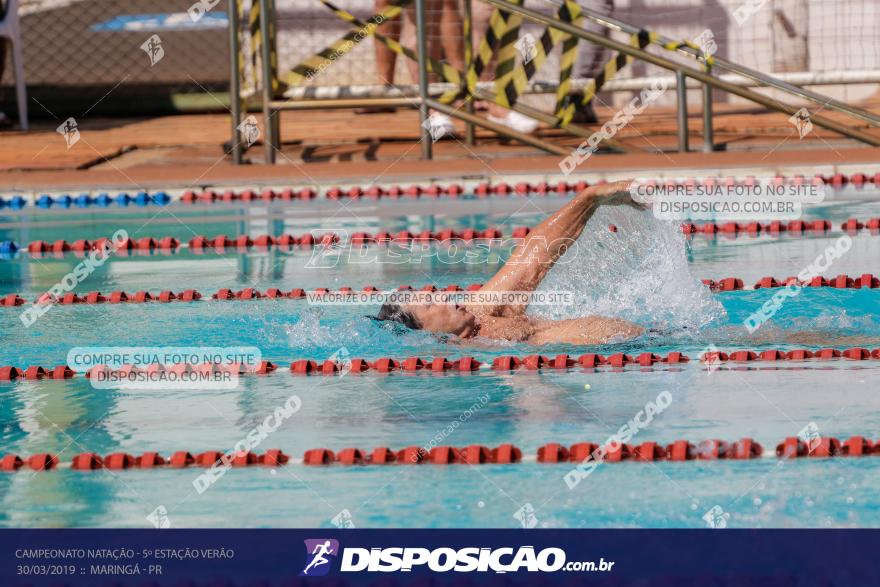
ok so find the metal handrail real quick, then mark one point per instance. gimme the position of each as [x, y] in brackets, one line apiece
[757, 76]
[688, 71]
[628, 84]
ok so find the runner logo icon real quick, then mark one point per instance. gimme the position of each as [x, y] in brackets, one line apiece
[318, 555]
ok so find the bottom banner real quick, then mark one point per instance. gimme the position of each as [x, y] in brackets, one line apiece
[252, 558]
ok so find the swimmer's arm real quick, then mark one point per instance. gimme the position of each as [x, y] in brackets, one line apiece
[540, 250]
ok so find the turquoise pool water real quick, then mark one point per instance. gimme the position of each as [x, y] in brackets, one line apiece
[646, 272]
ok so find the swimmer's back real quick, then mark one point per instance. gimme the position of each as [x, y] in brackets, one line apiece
[588, 330]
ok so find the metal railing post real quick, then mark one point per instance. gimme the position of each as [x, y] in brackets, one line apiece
[682, 97]
[234, 82]
[268, 124]
[470, 129]
[422, 42]
[708, 130]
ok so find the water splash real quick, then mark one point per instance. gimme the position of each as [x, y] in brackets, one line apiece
[319, 334]
[639, 273]
[308, 330]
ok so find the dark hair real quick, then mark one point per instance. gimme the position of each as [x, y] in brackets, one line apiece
[395, 313]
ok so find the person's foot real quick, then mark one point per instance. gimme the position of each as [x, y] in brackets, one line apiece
[516, 121]
[583, 114]
[440, 125]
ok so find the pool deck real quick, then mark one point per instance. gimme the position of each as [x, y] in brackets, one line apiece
[336, 147]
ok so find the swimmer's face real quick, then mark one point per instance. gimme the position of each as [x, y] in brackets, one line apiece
[444, 318]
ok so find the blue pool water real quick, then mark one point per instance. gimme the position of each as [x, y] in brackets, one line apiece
[645, 272]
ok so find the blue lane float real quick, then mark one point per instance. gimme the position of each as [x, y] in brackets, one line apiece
[84, 200]
[161, 198]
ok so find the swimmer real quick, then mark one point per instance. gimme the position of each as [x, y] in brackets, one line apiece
[523, 272]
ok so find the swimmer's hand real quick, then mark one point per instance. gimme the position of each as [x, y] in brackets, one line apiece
[612, 194]
[622, 199]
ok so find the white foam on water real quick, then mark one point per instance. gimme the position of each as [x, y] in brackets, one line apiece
[308, 331]
[317, 331]
[639, 273]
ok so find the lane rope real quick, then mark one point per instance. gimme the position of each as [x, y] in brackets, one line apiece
[792, 447]
[210, 195]
[439, 365]
[727, 284]
[220, 243]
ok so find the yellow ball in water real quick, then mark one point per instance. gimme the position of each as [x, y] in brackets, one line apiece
[587, 386]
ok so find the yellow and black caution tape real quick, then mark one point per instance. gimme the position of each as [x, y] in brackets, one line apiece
[273, 48]
[569, 54]
[611, 69]
[257, 42]
[302, 71]
[254, 29]
[467, 26]
[495, 32]
[239, 59]
[508, 94]
[311, 66]
[507, 53]
[676, 45]
[502, 35]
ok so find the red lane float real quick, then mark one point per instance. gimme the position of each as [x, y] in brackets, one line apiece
[864, 281]
[501, 189]
[148, 460]
[215, 196]
[220, 244]
[587, 361]
[35, 372]
[475, 454]
[439, 365]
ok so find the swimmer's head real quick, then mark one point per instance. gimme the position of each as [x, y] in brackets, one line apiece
[442, 318]
[396, 313]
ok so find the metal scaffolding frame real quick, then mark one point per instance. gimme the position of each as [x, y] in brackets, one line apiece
[424, 102]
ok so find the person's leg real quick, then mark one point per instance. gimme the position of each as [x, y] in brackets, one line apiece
[433, 13]
[386, 59]
[594, 57]
[451, 34]
[2, 41]
[441, 124]
[481, 13]
[5, 122]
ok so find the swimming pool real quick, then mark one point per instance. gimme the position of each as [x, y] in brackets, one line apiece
[644, 272]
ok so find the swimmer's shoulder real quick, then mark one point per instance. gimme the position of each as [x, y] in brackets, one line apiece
[512, 328]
